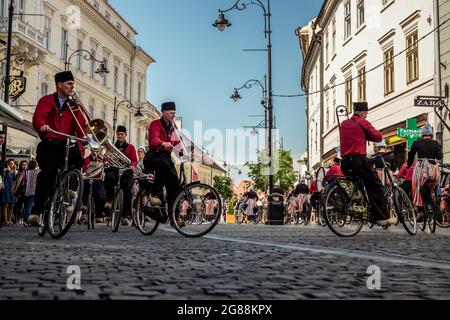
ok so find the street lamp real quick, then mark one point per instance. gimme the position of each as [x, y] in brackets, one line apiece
[129, 105]
[101, 70]
[222, 23]
[248, 85]
[230, 167]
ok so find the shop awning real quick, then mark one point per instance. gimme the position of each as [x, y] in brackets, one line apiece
[14, 119]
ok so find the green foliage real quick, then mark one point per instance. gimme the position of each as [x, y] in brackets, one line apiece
[285, 176]
[223, 185]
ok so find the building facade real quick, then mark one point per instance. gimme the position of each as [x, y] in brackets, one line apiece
[379, 51]
[443, 11]
[56, 33]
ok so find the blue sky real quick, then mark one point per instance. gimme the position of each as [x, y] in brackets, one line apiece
[197, 66]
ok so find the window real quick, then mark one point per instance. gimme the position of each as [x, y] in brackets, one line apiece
[3, 10]
[79, 56]
[312, 141]
[362, 84]
[334, 103]
[327, 106]
[91, 110]
[107, 16]
[103, 114]
[128, 35]
[21, 9]
[348, 20]
[348, 94]
[139, 91]
[93, 64]
[389, 71]
[44, 89]
[317, 133]
[125, 85]
[138, 133]
[333, 43]
[360, 15]
[118, 26]
[105, 75]
[47, 32]
[64, 40]
[96, 6]
[327, 44]
[116, 77]
[412, 58]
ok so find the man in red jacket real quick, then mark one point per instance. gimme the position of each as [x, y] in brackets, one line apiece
[161, 140]
[112, 174]
[354, 134]
[53, 112]
[335, 171]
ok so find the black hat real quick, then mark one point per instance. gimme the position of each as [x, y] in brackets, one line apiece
[360, 106]
[121, 129]
[167, 106]
[337, 160]
[64, 76]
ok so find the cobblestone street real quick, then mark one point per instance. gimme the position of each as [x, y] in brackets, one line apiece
[233, 262]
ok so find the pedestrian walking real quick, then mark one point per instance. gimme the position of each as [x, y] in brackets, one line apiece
[8, 197]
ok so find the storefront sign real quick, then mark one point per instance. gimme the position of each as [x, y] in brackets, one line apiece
[411, 133]
[395, 139]
[17, 86]
[430, 102]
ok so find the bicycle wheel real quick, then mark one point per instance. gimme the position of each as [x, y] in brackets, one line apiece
[443, 213]
[432, 213]
[306, 213]
[90, 212]
[320, 215]
[142, 214]
[240, 217]
[42, 229]
[319, 177]
[204, 200]
[336, 217]
[296, 217]
[65, 203]
[405, 210]
[116, 210]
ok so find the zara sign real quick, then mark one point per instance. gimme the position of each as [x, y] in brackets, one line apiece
[431, 102]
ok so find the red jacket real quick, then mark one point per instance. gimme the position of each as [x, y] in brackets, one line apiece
[157, 135]
[335, 171]
[313, 187]
[130, 151]
[353, 136]
[405, 172]
[46, 113]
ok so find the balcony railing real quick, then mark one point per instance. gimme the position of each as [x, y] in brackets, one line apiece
[23, 28]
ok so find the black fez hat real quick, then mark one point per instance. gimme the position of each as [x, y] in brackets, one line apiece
[121, 129]
[64, 76]
[167, 106]
[360, 106]
[337, 160]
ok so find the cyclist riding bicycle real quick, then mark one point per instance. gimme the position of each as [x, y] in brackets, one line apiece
[389, 160]
[54, 113]
[335, 171]
[405, 175]
[428, 151]
[354, 134]
[250, 199]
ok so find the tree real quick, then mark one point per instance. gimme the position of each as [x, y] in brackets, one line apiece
[285, 175]
[223, 186]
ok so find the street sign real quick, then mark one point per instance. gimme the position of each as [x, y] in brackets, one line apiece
[429, 102]
[411, 132]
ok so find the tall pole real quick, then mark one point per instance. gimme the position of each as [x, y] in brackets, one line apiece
[8, 51]
[115, 114]
[270, 102]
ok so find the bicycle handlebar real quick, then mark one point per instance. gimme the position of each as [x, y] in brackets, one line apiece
[67, 135]
[382, 155]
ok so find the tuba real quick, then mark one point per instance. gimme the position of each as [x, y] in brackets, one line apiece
[99, 133]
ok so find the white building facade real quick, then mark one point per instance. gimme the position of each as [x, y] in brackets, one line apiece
[379, 51]
[39, 50]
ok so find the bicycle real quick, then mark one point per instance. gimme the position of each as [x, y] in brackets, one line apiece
[194, 194]
[61, 208]
[443, 200]
[347, 206]
[118, 201]
[320, 188]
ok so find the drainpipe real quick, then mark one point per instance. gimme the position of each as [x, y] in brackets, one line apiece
[437, 70]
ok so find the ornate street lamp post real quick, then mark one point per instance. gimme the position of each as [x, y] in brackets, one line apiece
[222, 24]
[101, 70]
[129, 105]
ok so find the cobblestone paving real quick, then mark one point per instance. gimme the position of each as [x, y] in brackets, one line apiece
[233, 262]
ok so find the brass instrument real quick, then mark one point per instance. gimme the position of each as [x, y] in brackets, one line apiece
[99, 133]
